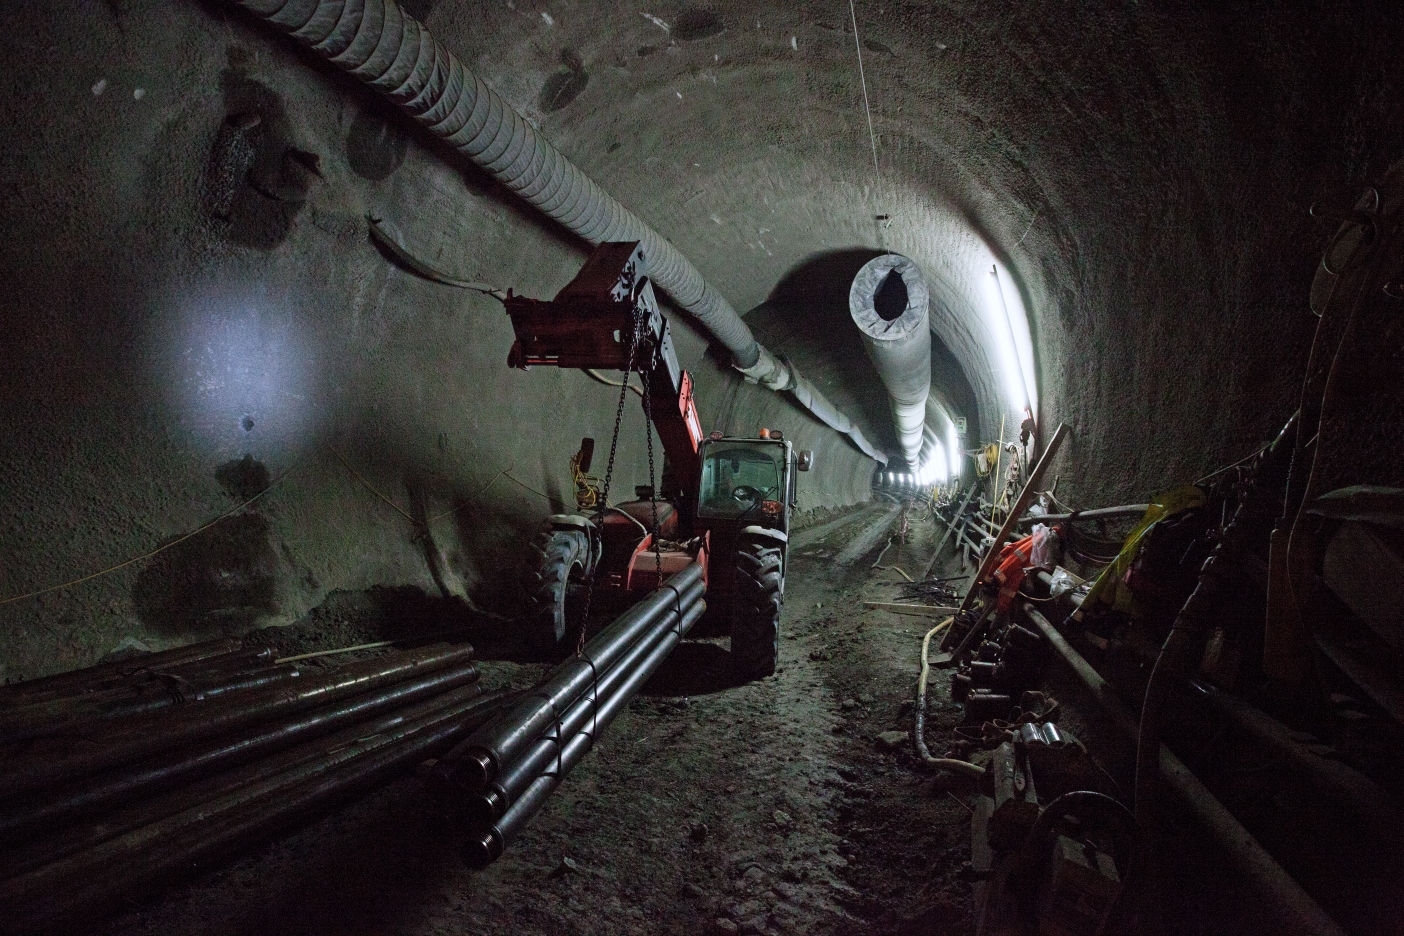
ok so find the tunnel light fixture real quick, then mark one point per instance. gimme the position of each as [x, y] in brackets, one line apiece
[1010, 331]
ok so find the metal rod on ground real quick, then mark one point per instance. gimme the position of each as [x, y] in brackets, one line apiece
[491, 804]
[1284, 897]
[149, 858]
[484, 753]
[1099, 513]
[900, 608]
[75, 680]
[305, 756]
[950, 525]
[485, 848]
[1026, 495]
[462, 768]
[49, 851]
[49, 761]
[54, 808]
[56, 717]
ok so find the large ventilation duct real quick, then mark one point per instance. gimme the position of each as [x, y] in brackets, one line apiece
[376, 42]
[888, 301]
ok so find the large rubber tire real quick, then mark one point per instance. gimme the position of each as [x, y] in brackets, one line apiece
[755, 615]
[553, 586]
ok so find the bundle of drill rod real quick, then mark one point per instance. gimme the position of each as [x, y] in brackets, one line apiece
[502, 774]
[119, 779]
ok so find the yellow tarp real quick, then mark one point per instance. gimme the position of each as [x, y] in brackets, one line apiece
[1110, 587]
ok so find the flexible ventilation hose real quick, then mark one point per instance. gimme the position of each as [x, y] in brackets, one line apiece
[376, 42]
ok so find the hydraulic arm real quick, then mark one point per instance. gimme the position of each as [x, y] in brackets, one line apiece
[608, 318]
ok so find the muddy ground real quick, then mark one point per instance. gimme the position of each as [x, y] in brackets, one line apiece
[709, 806]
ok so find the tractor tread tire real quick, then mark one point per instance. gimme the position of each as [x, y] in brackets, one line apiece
[755, 624]
[561, 562]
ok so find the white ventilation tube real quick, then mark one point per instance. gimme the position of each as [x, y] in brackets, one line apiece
[888, 301]
[392, 52]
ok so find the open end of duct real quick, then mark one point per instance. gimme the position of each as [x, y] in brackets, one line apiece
[888, 301]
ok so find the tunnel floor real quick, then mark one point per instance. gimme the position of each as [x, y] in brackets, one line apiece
[772, 805]
[710, 806]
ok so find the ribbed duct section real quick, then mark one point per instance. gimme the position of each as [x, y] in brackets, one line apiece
[376, 42]
[888, 301]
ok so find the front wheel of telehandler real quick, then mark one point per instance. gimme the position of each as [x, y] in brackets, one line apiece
[755, 621]
[555, 587]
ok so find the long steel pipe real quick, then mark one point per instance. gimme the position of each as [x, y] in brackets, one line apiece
[72, 802]
[1376, 812]
[391, 52]
[487, 846]
[74, 681]
[488, 805]
[480, 758]
[149, 858]
[888, 301]
[58, 715]
[1283, 896]
[53, 848]
[50, 761]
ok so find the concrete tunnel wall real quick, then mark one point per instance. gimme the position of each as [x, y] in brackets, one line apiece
[1142, 175]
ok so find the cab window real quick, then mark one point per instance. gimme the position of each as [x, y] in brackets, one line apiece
[736, 478]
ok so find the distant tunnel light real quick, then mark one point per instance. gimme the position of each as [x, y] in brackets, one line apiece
[935, 469]
[953, 450]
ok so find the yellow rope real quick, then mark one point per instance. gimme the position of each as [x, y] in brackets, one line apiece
[158, 550]
[926, 663]
[234, 510]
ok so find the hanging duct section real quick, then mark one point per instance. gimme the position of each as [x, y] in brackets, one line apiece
[391, 52]
[888, 301]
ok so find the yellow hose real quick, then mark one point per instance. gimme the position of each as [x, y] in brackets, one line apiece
[965, 768]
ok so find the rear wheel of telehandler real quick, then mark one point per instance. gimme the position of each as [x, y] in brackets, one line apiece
[755, 619]
[556, 586]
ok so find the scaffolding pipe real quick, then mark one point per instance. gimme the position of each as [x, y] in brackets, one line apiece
[379, 44]
[1283, 896]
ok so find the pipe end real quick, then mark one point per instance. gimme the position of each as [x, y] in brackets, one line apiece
[485, 809]
[482, 850]
[475, 771]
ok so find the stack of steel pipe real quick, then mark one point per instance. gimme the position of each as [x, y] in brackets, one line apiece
[118, 779]
[502, 774]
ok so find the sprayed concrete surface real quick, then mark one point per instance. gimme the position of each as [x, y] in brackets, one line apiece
[1140, 174]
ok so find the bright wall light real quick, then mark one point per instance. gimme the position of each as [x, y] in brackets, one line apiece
[1009, 326]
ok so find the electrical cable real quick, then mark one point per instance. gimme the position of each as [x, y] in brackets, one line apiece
[384, 234]
[863, 79]
[611, 383]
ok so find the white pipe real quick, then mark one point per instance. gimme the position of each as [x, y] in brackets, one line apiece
[888, 301]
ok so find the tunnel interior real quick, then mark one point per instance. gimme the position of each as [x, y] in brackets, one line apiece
[255, 368]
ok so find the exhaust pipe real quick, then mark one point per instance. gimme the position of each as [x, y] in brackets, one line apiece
[888, 301]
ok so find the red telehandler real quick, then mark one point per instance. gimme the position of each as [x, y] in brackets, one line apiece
[724, 502]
